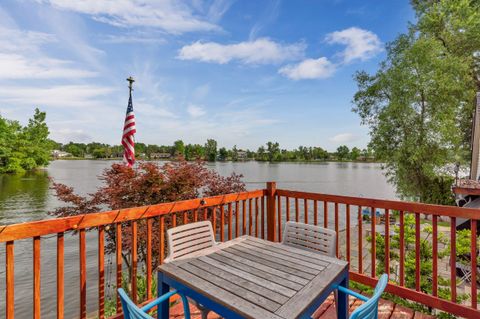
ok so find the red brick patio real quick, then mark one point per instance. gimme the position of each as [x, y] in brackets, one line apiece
[386, 310]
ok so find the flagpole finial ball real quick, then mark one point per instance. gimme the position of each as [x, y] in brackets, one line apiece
[130, 82]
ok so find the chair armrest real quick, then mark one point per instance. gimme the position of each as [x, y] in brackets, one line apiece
[352, 293]
[158, 301]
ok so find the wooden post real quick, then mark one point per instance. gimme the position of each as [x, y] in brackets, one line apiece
[271, 193]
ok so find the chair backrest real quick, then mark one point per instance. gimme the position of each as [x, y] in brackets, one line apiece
[130, 310]
[369, 310]
[188, 239]
[310, 237]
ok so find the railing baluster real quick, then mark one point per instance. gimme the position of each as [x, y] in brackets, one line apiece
[256, 217]
[279, 218]
[83, 275]
[360, 239]
[325, 214]
[263, 216]
[435, 255]
[36, 278]
[417, 251]
[374, 242]
[387, 241]
[297, 213]
[101, 273]
[10, 280]
[453, 259]
[185, 217]
[214, 220]
[174, 221]
[250, 218]
[287, 206]
[337, 245]
[244, 214]
[222, 223]
[149, 258]
[305, 210]
[402, 249]
[118, 261]
[315, 212]
[195, 215]
[60, 275]
[230, 226]
[134, 262]
[237, 217]
[347, 213]
[161, 230]
[473, 254]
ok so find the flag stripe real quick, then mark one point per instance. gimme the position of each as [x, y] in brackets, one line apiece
[129, 130]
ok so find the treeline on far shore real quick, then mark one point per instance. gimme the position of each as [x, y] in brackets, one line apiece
[270, 152]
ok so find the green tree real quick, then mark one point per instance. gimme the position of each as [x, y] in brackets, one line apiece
[222, 154]
[273, 151]
[211, 150]
[234, 153]
[178, 148]
[342, 152]
[24, 148]
[418, 105]
[355, 153]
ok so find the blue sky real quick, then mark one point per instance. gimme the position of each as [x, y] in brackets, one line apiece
[241, 72]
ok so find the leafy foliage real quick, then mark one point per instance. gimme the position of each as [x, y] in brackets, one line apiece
[147, 184]
[418, 105]
[24, 148]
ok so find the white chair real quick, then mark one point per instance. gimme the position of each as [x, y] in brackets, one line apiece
[464, 272]
[310, 237]
[187, 241]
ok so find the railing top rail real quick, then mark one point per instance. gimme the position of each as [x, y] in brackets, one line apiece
[440, 210]
[58, 225]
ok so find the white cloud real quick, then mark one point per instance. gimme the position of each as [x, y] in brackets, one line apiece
[16, 66]
[360, 44]
[22, 57]
[195, 110]
[64, 96]
[344, 138]
[320, 68]
[65, 135]
[172, 16]
[260, 51]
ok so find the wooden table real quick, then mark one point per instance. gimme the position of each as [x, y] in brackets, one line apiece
[253, 278]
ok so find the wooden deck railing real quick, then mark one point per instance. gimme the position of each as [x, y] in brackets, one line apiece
[260, 213]
[232, 215]
[366, 252]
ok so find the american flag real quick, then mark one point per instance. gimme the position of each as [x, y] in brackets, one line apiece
[128, 135]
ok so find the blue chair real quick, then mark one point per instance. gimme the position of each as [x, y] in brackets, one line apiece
[132, 311]
[368, 310]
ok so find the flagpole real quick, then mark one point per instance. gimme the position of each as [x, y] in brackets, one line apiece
[130, 88]
[130, 80]
[130, 84]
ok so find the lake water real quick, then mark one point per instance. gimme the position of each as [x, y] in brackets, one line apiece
[28, 197]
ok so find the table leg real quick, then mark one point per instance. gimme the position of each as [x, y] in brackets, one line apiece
[342, 304]
[163, 310]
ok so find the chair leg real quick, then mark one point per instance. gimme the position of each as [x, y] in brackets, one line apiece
[205, 313]
[186, 307]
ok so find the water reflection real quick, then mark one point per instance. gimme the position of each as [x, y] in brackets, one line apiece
[23, 197]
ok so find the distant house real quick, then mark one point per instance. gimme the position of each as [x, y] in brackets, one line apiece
[60, 154]
[159, 155]
[242, 155]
